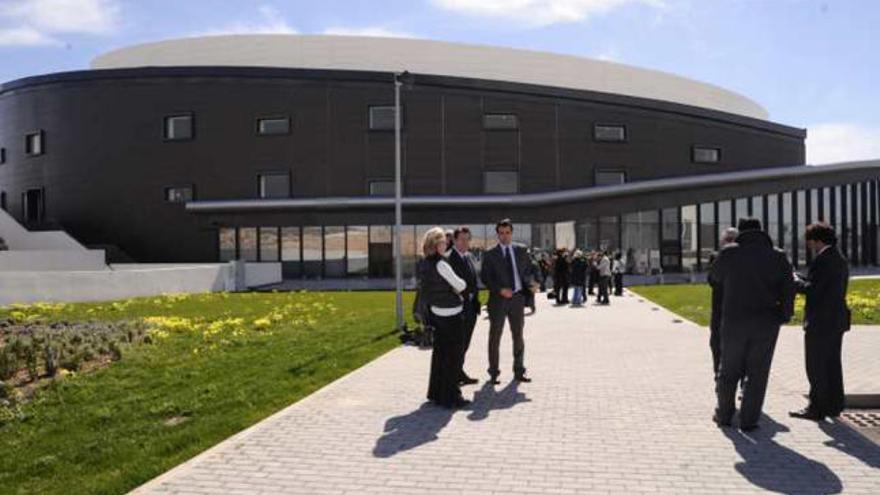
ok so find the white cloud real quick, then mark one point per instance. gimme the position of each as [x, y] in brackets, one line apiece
[537, 12]
[841, 142]
[272, 22]
[376, 31]
[25, 36]
[37, 22]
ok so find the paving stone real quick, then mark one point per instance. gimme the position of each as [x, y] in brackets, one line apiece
[621, 403]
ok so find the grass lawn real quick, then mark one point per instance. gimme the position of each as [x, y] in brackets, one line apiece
[694, 301]
[199, 382]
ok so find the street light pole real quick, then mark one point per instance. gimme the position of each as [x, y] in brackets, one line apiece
[398, 214]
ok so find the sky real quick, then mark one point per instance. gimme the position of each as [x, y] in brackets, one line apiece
[812, 64]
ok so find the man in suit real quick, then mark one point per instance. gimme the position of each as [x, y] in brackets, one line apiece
[757, 296]
[507, 273]
[826, 318]
[728, 237]
[462, 264]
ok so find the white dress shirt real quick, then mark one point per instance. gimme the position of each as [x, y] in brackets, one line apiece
[517, 283]
[458, 285]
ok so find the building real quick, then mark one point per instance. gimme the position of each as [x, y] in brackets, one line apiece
[281, 148]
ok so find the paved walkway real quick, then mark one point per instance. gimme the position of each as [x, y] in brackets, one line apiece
[621, 403]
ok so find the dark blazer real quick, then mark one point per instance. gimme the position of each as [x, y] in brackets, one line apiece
[495, 275]
[467, 270]
[825, 287]
[755, 283]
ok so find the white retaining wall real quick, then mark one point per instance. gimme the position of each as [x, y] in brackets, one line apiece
[129, 281]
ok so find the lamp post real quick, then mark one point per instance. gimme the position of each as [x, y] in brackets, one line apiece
[398, 213]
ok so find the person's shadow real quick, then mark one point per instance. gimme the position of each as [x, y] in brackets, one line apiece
[774, 467]
[851, 443]
[412, 430]
[487, 399]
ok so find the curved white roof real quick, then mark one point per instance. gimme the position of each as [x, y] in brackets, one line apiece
[429, 57]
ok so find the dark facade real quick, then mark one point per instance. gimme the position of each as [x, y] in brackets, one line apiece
[104, 161]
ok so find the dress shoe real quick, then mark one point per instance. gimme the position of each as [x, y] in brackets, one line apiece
[468, 381]
[807, 414]
[461, 402]
[523, 379]
[493, 379]
[748, 428]
[718, 421]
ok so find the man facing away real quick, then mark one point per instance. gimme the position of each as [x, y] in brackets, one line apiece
[826, 318]
[757, 296]
[462, 264]
[727, 237]
[507, 273]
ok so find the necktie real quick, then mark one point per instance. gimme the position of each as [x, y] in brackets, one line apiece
[508, 255]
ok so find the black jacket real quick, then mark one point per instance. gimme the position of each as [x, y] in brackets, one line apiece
[755, 283]
[561, 271]
[434, 290]
[578, 272]
[495, 275]
[467, 270]
[825, 285]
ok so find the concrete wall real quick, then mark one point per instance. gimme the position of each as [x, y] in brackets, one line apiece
[131, 281]
[42, 260]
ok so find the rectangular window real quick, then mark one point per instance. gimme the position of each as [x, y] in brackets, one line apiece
[334, 251]
[773, 219]
[382, 188]
[382, 118]
[608, 132]
[707, 232]
[273, 126]
[500, 121]
[290, 252]
[500, 182]
[247, 243]
[268, 243]
[357, 246]
[178, 194]
[313, 251]
[227, 243]
[689, 237]
[33, 144]
[610, 177]
[706, 155]
[179, 127]
[274, 185]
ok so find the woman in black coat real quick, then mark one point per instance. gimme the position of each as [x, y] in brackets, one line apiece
[561, 276]
[439, 292]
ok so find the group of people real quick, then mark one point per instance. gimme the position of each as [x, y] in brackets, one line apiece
[753, 291]
[585, 271]
[448, 300]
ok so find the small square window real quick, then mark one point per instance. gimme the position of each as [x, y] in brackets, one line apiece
[382, 188]
[706, 155]
[500, 121]
[382, 118]
[610, 177]
[179, 127]
[178, 194]
[274, 185]
[501, 182]
[611, 133]
[273, 126]
[33, 144]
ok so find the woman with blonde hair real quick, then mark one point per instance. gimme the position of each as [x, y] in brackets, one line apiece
[439, 290]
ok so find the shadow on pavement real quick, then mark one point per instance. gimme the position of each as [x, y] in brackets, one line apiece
[851, 443]
[774, 467]
[412, 430]
[487, 399]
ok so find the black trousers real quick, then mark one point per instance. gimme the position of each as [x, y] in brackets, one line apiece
[618, 284]
[501, 309]
[715, 347]
[604, 283]
[562, 292]
[592, 280]
[746, 352]
[469, 321]
[446, 358]
[825, 372]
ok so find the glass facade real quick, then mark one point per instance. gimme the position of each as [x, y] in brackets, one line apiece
[676, 239]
